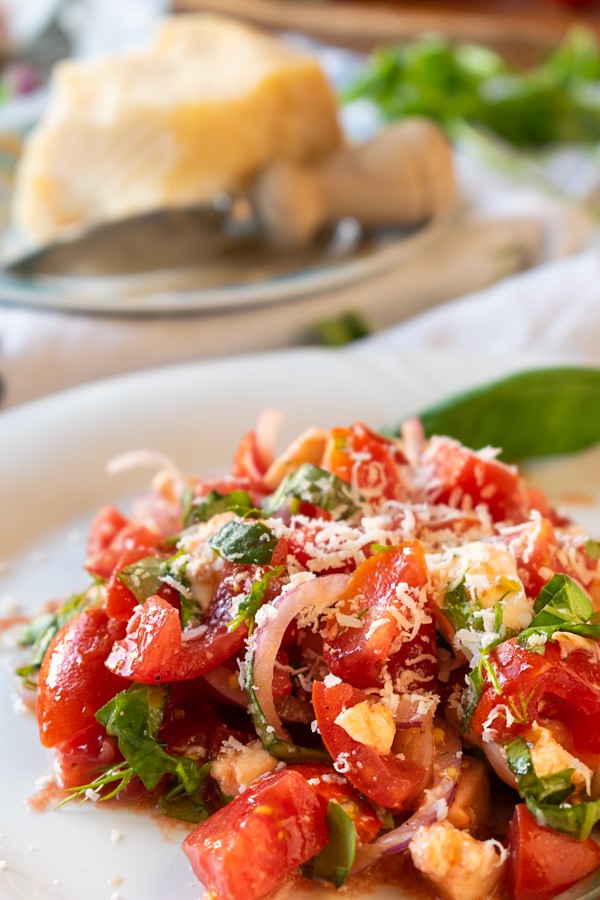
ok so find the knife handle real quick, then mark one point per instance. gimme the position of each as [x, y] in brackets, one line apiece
[402, 176]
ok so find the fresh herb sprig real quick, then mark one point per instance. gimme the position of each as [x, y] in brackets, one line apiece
[252, 602]
[455, 83]
[38, 633]
[311, 484]
[134, 717]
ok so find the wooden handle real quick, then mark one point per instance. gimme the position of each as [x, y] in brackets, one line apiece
[403, 176]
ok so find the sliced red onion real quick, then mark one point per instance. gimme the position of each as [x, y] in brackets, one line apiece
[313, 597]
[413, 438]
[224, 683]
[267, 427]
[437, 800]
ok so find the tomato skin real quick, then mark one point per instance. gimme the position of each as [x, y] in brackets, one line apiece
[104, 563]
[368, 460]
[248, 463]
[153, 650]
[108, 522]
[243, 851]
[461, 472]
[566, 689]
[335, 787]
[542, 863]
[79, 760]
[386, 780]
[354, 656]
[74, 682]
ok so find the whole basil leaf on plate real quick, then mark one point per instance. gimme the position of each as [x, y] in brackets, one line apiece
[541, 412]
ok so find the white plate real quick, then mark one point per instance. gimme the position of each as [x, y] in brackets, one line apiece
[52, 479]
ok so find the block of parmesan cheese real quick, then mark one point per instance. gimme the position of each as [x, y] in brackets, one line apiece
[200, 111]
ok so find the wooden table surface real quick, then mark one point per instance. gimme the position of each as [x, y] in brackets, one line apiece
[522, 29]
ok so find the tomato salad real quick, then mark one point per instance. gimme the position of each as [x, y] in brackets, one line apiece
[337, 654]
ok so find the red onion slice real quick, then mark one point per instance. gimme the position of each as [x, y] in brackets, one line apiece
[224, 683]
[313, 597]
[437, 800]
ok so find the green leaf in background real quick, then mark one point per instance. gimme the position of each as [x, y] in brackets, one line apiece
[542, 412]
[317, 486]
[555, 102]
[335, 860]
[341, 330]
[245, 542]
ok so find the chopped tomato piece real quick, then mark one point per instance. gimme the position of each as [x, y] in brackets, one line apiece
[153, 649]
[536, 686]
[108, 522]
[357, 655]
[542, 863]
[249, 464]
[80, 760]
[74, 682]
[243, 851]
[368, 461]
[130, 537]
[460, 472]
[387, 780]
[330, 785]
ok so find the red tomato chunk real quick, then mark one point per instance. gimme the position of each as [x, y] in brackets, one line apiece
[543, 863]
[243, 851]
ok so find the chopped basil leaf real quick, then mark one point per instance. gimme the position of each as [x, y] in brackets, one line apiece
[38, 633]
[335, 860]
[245, 542]
[554, 788]
[341, 330]
[476, 678]
[576, 820]
[251, 603]
[561, 601]
[278, 748]
[204, 508]
[134, 717]
[592, 549]
[459, 609]
[146, 577]
[562, 606]
[311, 484]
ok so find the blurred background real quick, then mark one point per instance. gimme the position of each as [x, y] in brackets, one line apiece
[512, 184]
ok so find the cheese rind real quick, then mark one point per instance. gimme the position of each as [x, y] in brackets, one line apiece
[199, 112]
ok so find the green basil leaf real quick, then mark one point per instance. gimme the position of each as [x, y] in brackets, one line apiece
[134, 717]
[561, 601]
[342, 330]
[38, 633]
[311, 484]
[146, 577]
[577, 820]
[245, 542]
[592, 549]
[214, 504]
[537, 413]
[459, 609]
[335, 860]
[547, 789]
[289, 753]
[252, 602]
